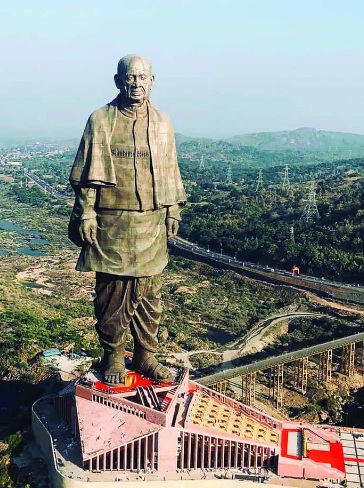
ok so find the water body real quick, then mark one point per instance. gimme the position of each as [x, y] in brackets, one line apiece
[31, 237]
[40, 241]
[31, 284]
[9, 226]
[27, 251]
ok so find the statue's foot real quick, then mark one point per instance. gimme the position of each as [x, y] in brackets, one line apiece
[113, 367]
[148, 366]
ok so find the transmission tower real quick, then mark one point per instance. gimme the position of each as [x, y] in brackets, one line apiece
[285, 179]
[202, 163]
[229, 178]
[310, 211]
[291, 233]
[259, 181]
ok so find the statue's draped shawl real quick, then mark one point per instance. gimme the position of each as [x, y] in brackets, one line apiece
[94, 165]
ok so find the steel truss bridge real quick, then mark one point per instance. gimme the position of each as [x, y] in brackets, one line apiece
[275, 367]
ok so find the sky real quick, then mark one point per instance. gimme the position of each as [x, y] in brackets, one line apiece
[222, 67]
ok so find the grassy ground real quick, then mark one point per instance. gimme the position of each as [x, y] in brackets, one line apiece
[45, 303]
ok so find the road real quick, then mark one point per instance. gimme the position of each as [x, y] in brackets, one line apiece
[320, 286]
[45, 186]
[252, 341]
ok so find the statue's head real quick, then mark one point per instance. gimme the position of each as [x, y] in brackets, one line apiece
[134, 79]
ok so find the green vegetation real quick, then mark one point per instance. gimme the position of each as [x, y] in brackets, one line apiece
[203, 303]
[204, 308]
[11, 447]
[307, 331]
[33, 210]
[256, 226]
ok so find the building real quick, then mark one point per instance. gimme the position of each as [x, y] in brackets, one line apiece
[183, 426]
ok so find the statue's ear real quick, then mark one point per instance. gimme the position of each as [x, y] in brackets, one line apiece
[117, 81]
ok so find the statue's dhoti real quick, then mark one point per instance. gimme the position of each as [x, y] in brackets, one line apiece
[123, 301]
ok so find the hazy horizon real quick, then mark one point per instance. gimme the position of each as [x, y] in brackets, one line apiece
[222, 68]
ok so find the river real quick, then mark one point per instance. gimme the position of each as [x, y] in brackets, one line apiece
[31, 242]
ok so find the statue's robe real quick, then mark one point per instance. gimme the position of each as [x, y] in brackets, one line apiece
[131, 239]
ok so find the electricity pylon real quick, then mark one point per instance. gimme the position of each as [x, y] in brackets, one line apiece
[259, 181]
[285, 179]
[310, 211]
[229, 178]
[202, 163]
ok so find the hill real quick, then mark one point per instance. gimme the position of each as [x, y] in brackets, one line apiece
[303, 139]
[263, 149]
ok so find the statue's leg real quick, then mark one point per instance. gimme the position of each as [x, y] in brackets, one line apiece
[113, 310]
[144, 327]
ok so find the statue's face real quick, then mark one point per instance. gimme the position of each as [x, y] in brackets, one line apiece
[135, 82]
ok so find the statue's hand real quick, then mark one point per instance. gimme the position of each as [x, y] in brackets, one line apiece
[172, 227]
[88, 229]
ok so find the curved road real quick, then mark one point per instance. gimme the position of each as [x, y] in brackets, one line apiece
[250, 341]
[262, 327]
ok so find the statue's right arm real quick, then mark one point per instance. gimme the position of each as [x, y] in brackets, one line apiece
[85, 202]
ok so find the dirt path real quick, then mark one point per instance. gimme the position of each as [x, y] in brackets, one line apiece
[253, 341]
[254, 337]
[335, 305]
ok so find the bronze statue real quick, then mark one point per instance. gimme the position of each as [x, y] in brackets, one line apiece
[128, 198]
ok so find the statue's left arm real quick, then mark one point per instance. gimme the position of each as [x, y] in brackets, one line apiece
[173, 217]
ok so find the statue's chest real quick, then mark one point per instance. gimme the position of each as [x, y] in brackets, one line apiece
[129, 142]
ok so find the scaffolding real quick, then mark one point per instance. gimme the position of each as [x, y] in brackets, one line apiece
[276, 385]
[302, 374]
[348, 359]
[326, 366]
[248, 388]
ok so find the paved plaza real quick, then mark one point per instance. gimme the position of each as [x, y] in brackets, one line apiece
[353, 446]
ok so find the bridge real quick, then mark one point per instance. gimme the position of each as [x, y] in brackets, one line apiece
[275, 365]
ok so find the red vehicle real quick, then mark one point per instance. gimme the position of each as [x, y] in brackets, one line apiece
[295, 271]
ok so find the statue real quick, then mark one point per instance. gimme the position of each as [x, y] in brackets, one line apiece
[128, 198]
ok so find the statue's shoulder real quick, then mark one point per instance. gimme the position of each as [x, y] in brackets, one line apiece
[159, 116]
[104, 113]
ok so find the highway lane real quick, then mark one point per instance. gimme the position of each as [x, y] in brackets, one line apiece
[183, 244]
